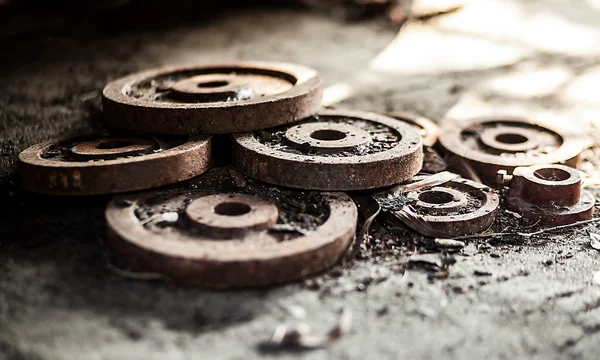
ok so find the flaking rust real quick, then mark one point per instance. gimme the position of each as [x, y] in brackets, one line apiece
[217, 239]
[106, 164]
[487, 145]
[334, 150]
[549, 195]
[212, 98]
[454, 208]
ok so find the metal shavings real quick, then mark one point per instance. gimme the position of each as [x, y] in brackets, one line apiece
[538, 232]
[416, 222]
[514, 214]
[370, 209]
[167, 217]
[300, 336]
[289, 228]
[394, 199]
[430, 181]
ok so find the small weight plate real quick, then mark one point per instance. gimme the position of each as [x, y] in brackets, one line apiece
[549, 195]
[223, 235]
[458, 207]
[334, 150]
[492, 144]
[105, 164]
[214, 99]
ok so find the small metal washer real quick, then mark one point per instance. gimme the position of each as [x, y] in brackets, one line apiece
[458, 207]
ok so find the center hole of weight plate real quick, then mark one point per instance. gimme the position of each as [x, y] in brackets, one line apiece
[213, 84]
[328, 135]
[116, 144]
[436, 197]
[510, 138]
[232, 208]
[550, 174]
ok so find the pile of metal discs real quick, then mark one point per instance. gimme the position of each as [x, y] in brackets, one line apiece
[277, 210]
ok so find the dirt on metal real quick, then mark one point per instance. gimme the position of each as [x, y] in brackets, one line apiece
[334, 150]
[106, 164]
[492, 144]
[230, 234]
[550, 195]
[213, 99]
[457, 207]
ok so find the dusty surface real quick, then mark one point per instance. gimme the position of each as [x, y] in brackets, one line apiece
[501, 298]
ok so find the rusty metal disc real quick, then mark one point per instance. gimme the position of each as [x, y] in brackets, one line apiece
[105, 164]
[214, 99]
[230, 240]
[458, 207]
[550, 195]
[334, 150]
[492, 144]
[427, 128]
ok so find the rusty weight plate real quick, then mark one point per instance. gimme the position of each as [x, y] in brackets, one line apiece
[550, 195]
[458, 207]
[427, 128]
[334, 150]
[230, 239]
[214, 99]
[492, 144]
[105, 164]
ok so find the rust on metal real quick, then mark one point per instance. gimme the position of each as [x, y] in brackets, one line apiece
[226, 240]
[105, 164]
[333, 150]
[457, 207]
[213, 99]
[550, 195]
[433, 163]
[491, 144]
[428, 129]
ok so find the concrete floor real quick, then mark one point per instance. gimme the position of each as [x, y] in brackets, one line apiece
[537, 299]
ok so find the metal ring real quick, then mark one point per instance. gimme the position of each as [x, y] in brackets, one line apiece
[78, 167]
[246, 96]
[192, 256]
[393, 154]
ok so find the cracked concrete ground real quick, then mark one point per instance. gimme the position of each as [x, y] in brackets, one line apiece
[503, 298]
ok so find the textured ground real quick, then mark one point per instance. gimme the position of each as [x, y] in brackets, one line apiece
[502, 299]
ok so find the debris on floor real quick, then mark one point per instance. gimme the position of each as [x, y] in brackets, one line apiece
[229, 230]
[303, 337]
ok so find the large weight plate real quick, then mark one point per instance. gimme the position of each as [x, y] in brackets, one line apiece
[214, 99]
[334, 150]
[105, 164]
